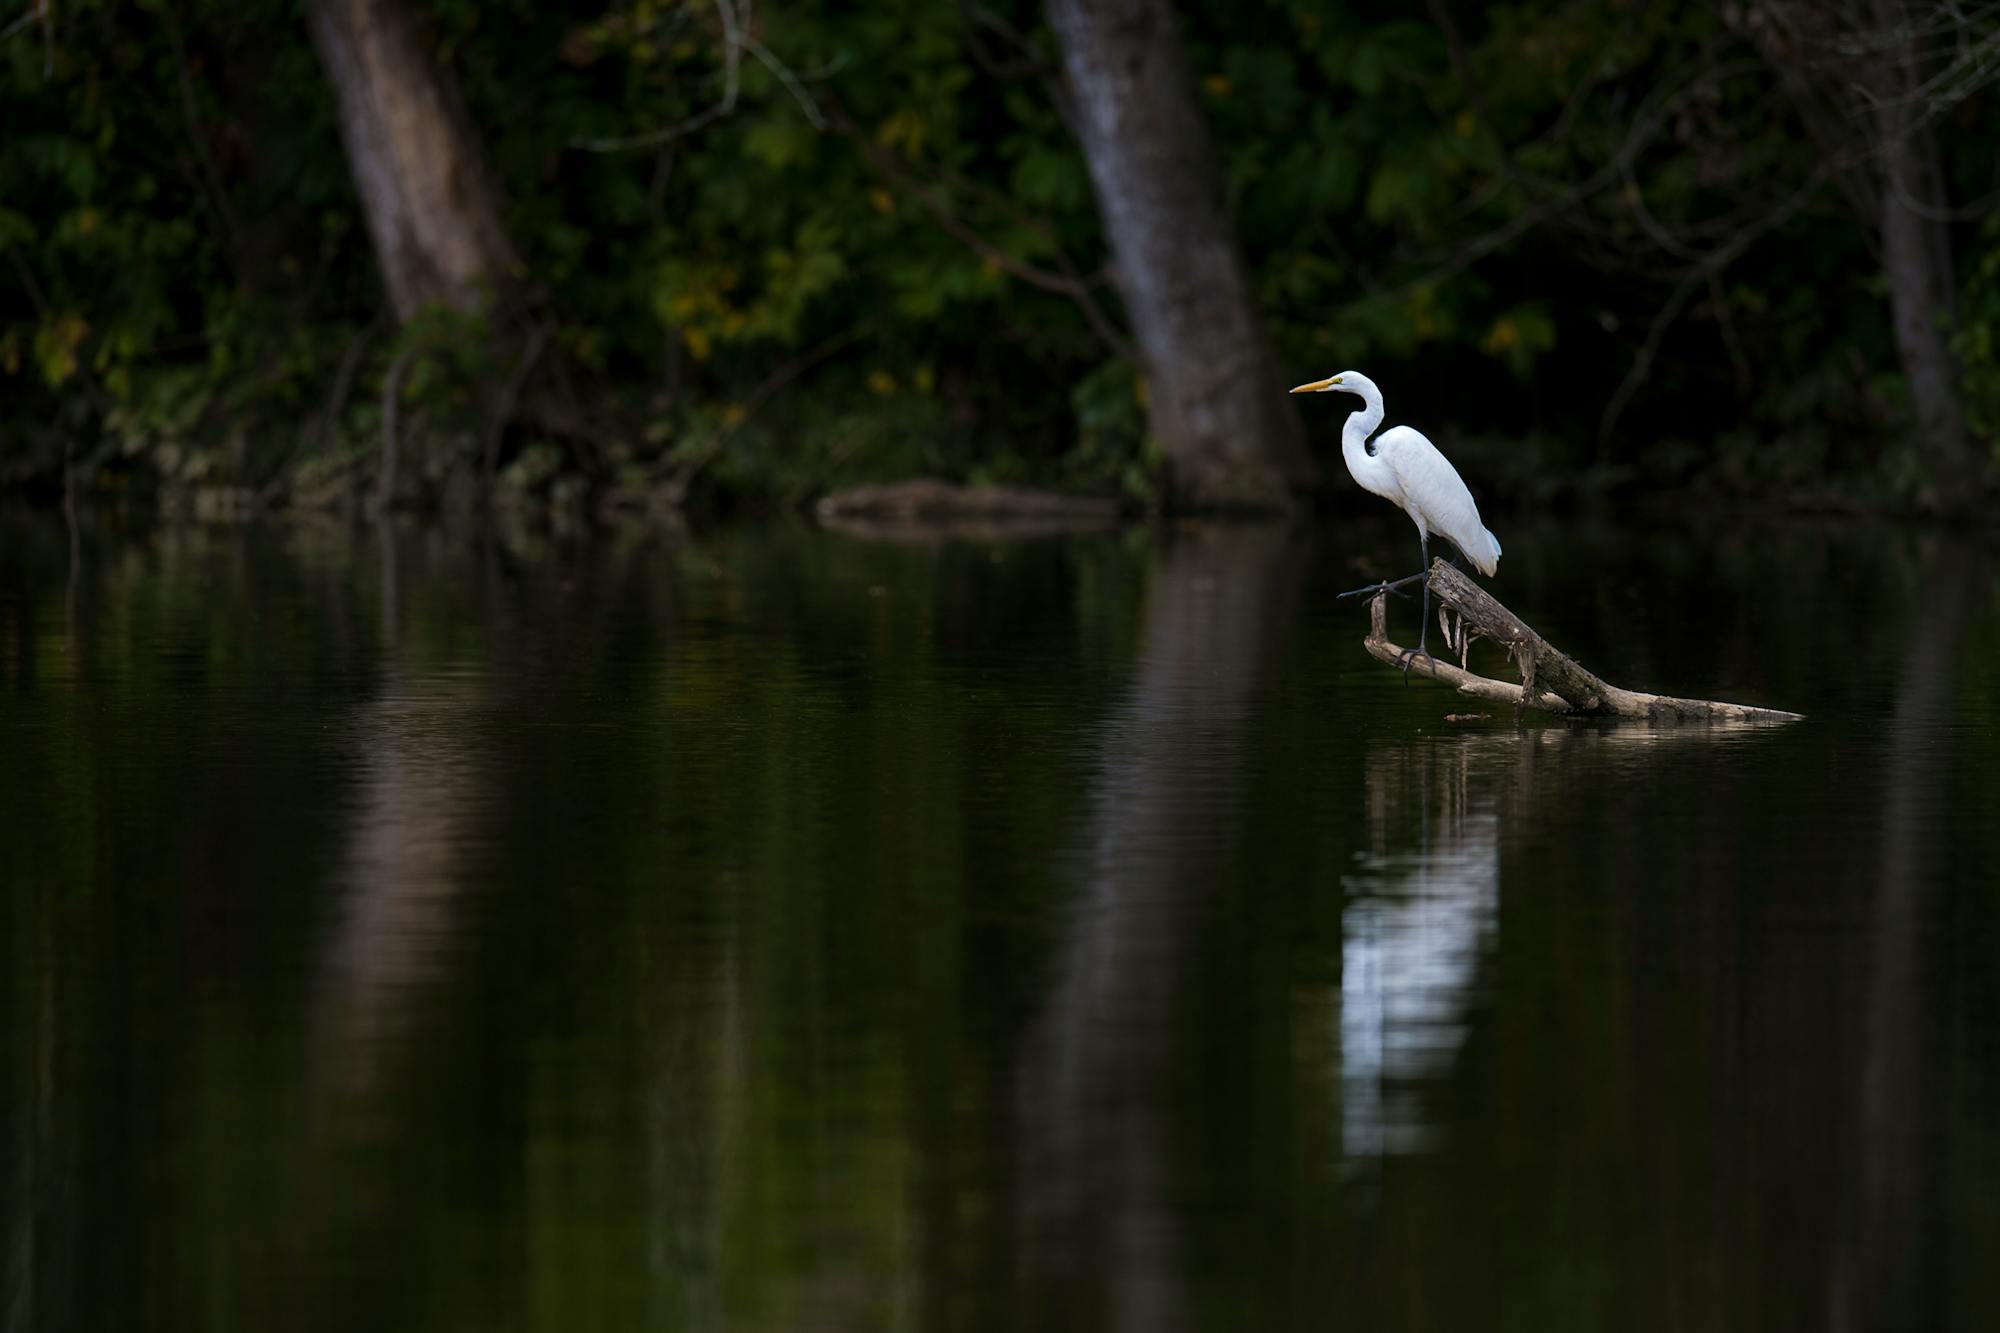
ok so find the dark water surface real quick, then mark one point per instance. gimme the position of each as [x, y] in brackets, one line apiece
[774, 929]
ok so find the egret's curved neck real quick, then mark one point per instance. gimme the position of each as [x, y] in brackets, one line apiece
[1369, 470]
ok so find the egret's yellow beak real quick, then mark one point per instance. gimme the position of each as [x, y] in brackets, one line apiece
[1316, 385]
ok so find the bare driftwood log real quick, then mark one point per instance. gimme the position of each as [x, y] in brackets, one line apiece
[1551, 680]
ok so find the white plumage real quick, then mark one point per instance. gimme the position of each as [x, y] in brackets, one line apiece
[1432, 492]
[1403, 467]
[1407, 469]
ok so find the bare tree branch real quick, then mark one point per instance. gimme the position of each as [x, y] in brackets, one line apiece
[43, 10]
[1561, 200]
[814, 116]
[1029, 63]
[1738, 362]
[210, 177]
[318, 427]
[392, 399]
[21, 22]
[691, 465]
[1708, 269]
[732, 64]
[1067, 281]
[503, 407]
[737, 38]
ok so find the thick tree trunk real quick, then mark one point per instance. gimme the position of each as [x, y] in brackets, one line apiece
[1858, 64]
[1215, 398]
[1916, 260]
[1921, 310]
[432, 211]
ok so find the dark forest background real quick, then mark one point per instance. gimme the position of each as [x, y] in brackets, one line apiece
[264, 255]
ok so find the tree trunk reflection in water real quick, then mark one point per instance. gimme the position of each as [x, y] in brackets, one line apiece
[697, 1074]
[1878, 1282]
[43, 1072]
[421, 785]
[38, 1262]
[420, 781]
[1165, 814]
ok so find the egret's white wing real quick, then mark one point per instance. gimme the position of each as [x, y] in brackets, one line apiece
[1436, 495]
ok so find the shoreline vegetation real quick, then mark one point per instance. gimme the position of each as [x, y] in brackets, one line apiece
[720, 256]
[931, 502]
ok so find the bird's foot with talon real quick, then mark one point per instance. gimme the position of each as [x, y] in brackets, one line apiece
[1408, 658]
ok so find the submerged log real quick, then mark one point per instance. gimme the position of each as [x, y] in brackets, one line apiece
[1551, 680]
[926, 512]
[928, 498]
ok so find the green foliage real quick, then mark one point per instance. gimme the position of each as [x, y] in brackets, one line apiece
[798, 260]
[1978, 341]
[174, 217]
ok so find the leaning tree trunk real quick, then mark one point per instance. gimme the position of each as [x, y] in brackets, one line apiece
[1215, 397]
[1916, 261]
[1920, 310]
[433, 213]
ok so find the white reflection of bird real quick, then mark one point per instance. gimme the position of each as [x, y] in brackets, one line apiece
[1401, 466]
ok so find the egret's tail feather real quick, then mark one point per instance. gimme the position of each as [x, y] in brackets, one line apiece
[1488, 560]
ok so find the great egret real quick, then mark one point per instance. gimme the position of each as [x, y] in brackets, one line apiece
[1401, 466]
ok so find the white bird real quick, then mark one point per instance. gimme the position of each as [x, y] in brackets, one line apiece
[1401, 466]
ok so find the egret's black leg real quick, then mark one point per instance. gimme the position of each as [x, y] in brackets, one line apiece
[1424, 630]
[1387, 585]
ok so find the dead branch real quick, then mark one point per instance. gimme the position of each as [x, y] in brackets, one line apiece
[503, 407]
[685, 471]
[320, 427]
[1027, 61]
[1552, 681]
[392, 397]
[737, 27]
[39, 11]
[733, 46]
[209, 175]
[792, 83]
[21, 22]
[1066, 280]
[1708, 268]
